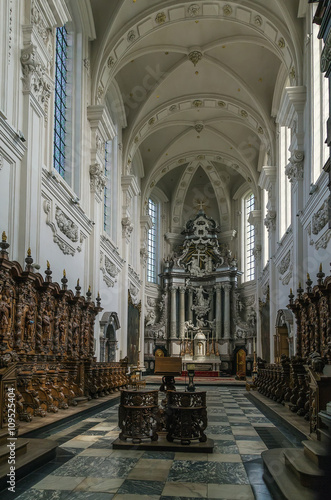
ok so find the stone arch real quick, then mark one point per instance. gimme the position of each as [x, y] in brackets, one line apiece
[108, 340]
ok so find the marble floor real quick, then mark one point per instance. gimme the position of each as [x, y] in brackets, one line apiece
[88, 468]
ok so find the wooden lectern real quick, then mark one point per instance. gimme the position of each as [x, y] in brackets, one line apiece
[168, 368]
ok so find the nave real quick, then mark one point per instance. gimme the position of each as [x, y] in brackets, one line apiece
[86, 466]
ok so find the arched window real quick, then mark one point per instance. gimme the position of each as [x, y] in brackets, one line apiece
[249, 239]
[152, 242]
[107, 188]
[60, 104]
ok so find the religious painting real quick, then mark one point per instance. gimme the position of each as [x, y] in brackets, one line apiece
[133, 331]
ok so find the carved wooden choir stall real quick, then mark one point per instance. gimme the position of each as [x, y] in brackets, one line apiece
[304, 381]
[47, 341]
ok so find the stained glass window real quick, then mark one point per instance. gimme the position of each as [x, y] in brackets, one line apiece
[250, 239]
[60, 99]
[152, 242]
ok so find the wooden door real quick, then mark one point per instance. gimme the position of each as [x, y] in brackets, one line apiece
[241, 363]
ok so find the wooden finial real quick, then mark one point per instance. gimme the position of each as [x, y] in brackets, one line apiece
[291, 291]
[64, 273]
[308, 277]
[29, 252]
[78, 282]
[321, 267]
[89, 288]
[48, 265]
[4, 236]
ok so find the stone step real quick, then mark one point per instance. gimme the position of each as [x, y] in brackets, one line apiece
[3, 436]
[308, 473]
[325, 437]
[20, 447]
[82, 399]
[39, 452]
[282, 483]
[317, 452]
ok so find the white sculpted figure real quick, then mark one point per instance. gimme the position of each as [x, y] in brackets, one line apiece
[201, 323]
[150, 318]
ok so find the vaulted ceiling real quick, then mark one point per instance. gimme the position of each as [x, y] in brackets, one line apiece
[198, 85]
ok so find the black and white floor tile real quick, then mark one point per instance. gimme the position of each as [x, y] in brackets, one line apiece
[88, 467]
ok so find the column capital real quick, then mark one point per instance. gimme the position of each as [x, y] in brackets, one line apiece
[182, 290]
[173, 288]
[227, 287]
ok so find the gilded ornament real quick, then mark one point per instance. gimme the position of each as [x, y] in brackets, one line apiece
[173, 108]
[281, 43]
[110, 62]
[244, 113]
[195, 56]
[136, 139]
[181, 160]
[292, 73]
[201, 157]
[197, 103]
[199, 127]
[258, 20]
[131, 36]
[160, 18]
[221, 104]
[193, 10]
[151, 121]
[227, 10]
[260, 130]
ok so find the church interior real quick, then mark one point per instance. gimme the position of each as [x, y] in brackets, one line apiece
[165, 211]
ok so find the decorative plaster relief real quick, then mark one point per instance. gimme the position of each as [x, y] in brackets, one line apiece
[287, 278]
[193, 10]
[133, 289]
[294, 170]
[320, 218]
[285, 263]
[109, 270]
[324, 240]
[43, 29]
[127, 228]
[195, 56]
[66, 225]
[270, 220]
[35, 79]
[97, 179]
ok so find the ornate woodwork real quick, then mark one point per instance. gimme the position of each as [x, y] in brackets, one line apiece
[138, 415]
[47, 341]
[186, 416]
[302, 383]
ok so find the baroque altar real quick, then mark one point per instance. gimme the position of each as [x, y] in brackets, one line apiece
[202, 316]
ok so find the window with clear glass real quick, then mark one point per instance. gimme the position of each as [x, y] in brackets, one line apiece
[107, 188]
[152, 243]
[60, 99]
[249, 239]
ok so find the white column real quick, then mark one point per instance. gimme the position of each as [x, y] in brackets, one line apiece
[190, 303]
[267, 181]
[173, 315]
[227, 288]
[218, 311]
[181, 311]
